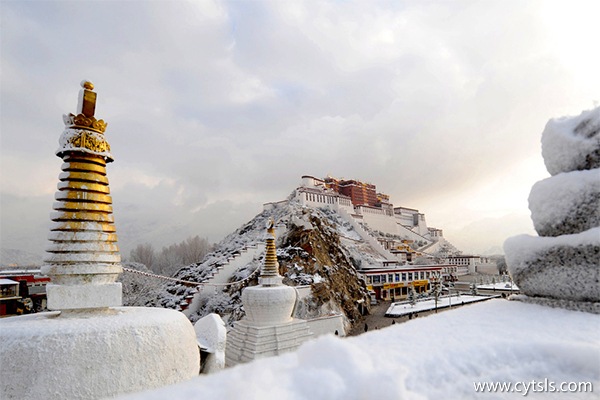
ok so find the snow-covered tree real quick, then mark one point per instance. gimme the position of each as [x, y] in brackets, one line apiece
[412, 296]
[143, 254]
[171, 258]
[139, 290]
[473, 288]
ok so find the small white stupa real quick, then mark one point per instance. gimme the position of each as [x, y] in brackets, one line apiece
[268, 328]
[90, 347]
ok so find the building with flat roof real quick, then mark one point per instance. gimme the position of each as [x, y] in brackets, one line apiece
[394, 283]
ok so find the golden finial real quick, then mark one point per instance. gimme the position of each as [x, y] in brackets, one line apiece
[87, 85]
[86, 107]
[87, 99]
[270, 227]
[83, 132]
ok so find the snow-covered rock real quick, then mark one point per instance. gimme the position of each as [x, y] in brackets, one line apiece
[561, 268]
[572, 143]
[212, 337]
[566, 203]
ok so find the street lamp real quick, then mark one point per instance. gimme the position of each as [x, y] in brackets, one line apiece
[436, 290]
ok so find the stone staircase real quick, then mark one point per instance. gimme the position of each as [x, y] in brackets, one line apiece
[366, 236]
[223, 274]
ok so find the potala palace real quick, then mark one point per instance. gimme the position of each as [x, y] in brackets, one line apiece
[400, 233]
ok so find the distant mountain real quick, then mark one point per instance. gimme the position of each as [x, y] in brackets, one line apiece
[18, 258]
[493, 251]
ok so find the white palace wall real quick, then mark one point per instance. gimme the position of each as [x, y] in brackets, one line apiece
[378, 220]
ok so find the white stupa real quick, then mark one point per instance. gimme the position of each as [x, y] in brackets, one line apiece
[90, 347]
[268, 328]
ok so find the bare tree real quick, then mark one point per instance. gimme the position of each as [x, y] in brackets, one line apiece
[501, 264]
[143, 254]
[193, 249]
[171, 258]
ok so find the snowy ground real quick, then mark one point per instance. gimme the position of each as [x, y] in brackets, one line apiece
[438, 357]
[499, 286]
[404, 308]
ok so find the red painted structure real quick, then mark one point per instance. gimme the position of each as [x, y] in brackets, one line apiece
[22, 292]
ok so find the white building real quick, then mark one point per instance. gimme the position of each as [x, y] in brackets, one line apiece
[474, 263]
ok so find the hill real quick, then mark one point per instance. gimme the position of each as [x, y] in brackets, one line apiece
[315, 247]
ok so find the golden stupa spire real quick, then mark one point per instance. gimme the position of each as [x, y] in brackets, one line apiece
[85, 133]
[271, 267]
[83, 260]
[87, 99]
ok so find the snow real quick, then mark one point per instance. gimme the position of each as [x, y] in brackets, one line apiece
[344, 228]
[435, 357]
[572, 143]
[499, 286]
[405, 308]
[286, 215]
[95, 354]
[68, 141]
[566, 202]
[564, 267]
[522, 248]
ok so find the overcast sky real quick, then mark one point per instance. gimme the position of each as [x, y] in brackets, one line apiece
[215, 108]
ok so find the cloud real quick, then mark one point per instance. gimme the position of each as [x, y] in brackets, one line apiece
[215, 107]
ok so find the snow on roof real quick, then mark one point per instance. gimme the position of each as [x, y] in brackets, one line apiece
[5, 282]
[494, 341]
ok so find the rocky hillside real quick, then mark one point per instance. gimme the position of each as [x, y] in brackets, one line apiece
[315, 247]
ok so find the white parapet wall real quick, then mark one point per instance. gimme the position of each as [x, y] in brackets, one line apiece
[327, 325]
[378, 219]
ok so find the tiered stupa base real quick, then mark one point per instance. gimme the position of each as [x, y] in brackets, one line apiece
[95, 355]
[247, 342]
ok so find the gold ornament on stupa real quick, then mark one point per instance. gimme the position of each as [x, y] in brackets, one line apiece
[84, 259]
[270, 268]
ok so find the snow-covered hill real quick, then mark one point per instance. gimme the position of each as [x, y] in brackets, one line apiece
[19, 258]
[315, 247]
